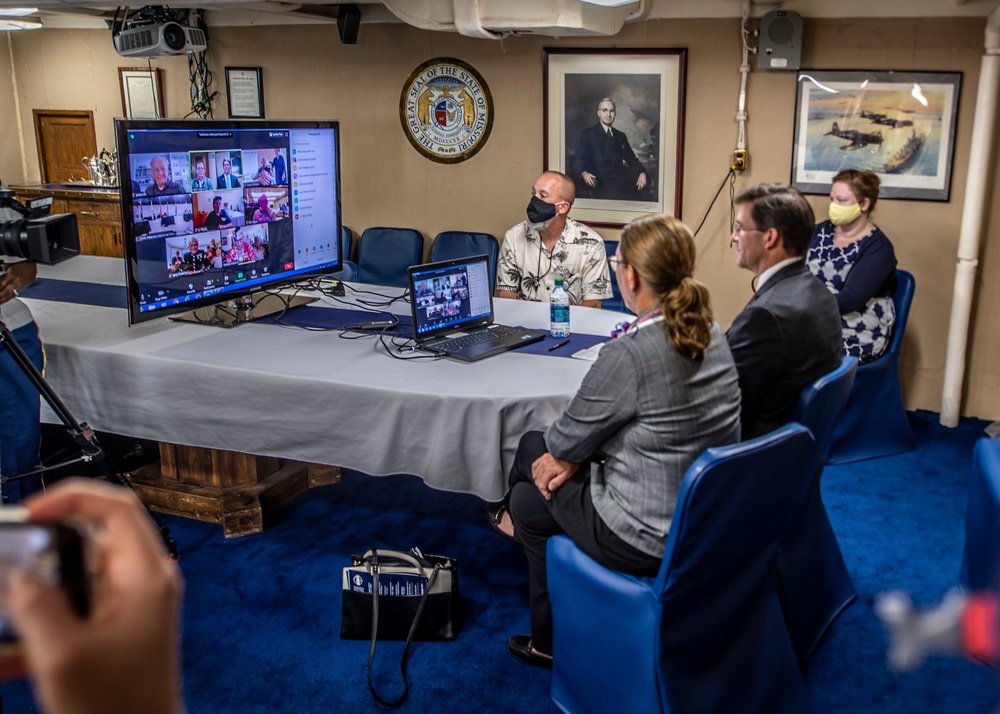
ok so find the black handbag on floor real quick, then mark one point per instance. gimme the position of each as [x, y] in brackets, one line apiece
[393, 595]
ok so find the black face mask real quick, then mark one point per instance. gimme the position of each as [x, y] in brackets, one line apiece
[539, 211]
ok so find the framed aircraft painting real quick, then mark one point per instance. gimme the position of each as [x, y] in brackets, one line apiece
[901, 125]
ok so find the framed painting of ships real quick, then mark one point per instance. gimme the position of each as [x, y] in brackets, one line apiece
[901, 125]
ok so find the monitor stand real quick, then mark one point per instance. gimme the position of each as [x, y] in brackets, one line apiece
[244, 309]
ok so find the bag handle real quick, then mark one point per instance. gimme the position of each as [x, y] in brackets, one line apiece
[373, 554]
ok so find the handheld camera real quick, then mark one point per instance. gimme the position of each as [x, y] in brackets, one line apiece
[51, 552]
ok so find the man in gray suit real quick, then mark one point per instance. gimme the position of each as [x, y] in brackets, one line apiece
[789, 334]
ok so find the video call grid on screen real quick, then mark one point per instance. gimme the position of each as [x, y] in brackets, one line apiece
[223, 209]
[451, 296]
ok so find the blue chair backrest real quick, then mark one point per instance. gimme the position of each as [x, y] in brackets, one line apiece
[462, 244]
[718, 575]
[616, 302]
[385, 254]
[822, 402]
[874, 421]
[349, 273]
[347, 240]
[902, 298]
[981, 555]
[729, 509]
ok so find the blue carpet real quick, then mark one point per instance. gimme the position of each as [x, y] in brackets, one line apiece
[262, 614]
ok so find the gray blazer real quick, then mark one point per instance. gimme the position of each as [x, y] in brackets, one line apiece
[642, 415]
[787, 336]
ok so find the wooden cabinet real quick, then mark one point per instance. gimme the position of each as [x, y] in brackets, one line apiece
[98, 214]
[99, 219]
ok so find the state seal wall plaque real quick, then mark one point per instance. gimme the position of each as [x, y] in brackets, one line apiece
[446, 110]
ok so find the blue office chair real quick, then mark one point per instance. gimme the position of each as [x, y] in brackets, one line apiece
[384, 254]
[874, 421]
[814, 586]
[462, 244]
[347, 238]
[706, 634]
[982, 519]
[616, 302]
[348, 273]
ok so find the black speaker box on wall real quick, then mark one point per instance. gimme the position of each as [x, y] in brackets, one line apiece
[780, 45]
[348, 20]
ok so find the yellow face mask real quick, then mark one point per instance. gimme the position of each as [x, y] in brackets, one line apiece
[841, 215]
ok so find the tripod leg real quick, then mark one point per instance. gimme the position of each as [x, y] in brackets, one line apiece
[81, 433]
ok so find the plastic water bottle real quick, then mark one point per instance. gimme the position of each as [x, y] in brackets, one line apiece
[559, 310]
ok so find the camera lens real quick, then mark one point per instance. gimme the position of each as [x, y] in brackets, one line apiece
[10, 237]
[173, 36]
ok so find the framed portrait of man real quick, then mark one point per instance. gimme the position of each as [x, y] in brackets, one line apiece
[614, 124]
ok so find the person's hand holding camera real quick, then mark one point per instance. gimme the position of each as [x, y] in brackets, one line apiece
[124, 657]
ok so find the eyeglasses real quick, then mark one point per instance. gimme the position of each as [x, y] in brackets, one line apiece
[614, 261]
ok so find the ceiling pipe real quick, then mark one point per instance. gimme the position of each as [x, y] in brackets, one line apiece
[641, 13]
[418, 14]
[973, 219]
[557, 18]
[467, 21]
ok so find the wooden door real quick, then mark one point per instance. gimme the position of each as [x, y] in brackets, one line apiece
[64, 138]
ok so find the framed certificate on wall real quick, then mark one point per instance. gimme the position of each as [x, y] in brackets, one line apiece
[141, 94]
[245, 92]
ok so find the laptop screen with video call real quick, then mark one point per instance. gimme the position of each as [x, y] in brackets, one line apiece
[451, 295]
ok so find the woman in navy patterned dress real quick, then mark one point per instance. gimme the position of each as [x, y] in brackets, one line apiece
[855, 261]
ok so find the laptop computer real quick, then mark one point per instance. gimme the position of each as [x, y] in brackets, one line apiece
[451, 302]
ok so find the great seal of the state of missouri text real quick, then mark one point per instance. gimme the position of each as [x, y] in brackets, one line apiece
[446, 110]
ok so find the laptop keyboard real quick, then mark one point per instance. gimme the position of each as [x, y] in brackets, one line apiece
[487, 334]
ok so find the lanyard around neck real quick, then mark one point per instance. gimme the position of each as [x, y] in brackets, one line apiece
[629, 328]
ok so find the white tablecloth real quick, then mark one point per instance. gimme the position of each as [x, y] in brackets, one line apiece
[305, 395]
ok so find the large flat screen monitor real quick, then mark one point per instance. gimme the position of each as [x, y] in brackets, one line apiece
[218, 210]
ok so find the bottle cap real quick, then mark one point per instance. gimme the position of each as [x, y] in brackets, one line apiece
[559, 281]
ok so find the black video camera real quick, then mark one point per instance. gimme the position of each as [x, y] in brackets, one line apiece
[38, 236]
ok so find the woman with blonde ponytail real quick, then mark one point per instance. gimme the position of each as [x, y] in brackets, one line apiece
[661, 250]
[608, 471]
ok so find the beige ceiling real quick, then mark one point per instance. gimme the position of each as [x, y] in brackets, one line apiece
[497, 18]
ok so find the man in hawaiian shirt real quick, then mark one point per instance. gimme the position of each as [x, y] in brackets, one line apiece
[550, 245]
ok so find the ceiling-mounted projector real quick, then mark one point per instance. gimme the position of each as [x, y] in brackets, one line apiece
[160, 38]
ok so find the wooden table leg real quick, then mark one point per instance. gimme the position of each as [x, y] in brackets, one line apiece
[231, 488]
